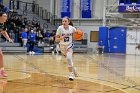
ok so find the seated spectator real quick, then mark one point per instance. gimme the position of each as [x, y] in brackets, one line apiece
[47, 37]
[20, 22]
[52, 38]
[12, 35]
[37, 25]
[40, 37]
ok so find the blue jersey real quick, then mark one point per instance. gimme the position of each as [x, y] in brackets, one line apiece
[24, 35]
[47, 34]
[32, 37]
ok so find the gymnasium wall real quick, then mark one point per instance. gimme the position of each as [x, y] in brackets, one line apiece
[97, 7]
[46, 4]
[87, 30]
[132, 40]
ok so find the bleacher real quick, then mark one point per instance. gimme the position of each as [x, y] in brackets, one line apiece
[9, 47]
[79, 47]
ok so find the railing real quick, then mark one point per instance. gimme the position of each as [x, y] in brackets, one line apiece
[28, 8]
[45, 25]
[32, 8]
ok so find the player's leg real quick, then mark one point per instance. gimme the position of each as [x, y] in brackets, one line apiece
[63, 49]
[70, 64]
[2, 72]
[57, 48]
[69, 59]
[32, 47]
[67, 52]
[24, 42]
[71, 67]
[30, 52]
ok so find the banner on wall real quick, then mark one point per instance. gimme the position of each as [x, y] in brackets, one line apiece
[129, 8]
[66, 8]
[1, 1]
[86, 8]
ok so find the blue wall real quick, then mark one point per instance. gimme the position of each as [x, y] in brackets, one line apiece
[117, 40]
[113, 39]
[103, 36]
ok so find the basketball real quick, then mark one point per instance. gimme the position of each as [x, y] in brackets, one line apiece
[78, 35]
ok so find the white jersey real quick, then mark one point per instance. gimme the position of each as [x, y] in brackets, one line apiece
[61, 31]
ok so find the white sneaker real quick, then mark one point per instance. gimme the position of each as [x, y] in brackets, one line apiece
[30, 53]
[71, 77]
[33, 52]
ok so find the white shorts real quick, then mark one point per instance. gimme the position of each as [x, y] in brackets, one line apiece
[64, 48]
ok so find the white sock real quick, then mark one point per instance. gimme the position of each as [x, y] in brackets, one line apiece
[69, 59]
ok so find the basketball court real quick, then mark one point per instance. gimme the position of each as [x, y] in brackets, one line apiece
[111, 25]
[109, 73]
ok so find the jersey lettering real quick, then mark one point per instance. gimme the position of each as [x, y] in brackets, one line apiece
[66, 39]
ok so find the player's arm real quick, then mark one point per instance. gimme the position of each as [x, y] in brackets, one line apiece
[60, 37]
[5, 34]
[74, 30]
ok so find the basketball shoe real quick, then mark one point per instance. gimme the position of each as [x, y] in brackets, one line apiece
[3, 73]
[71, 77]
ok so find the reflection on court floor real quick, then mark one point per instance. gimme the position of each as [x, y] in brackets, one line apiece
[108, 73]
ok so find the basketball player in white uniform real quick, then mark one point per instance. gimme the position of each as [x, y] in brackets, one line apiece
[64, 37]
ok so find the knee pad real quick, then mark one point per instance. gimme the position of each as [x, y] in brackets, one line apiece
[69, 59]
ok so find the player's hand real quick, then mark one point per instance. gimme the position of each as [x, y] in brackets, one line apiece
[11, 41]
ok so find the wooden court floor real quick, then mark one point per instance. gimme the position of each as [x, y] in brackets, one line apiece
[47, 73]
